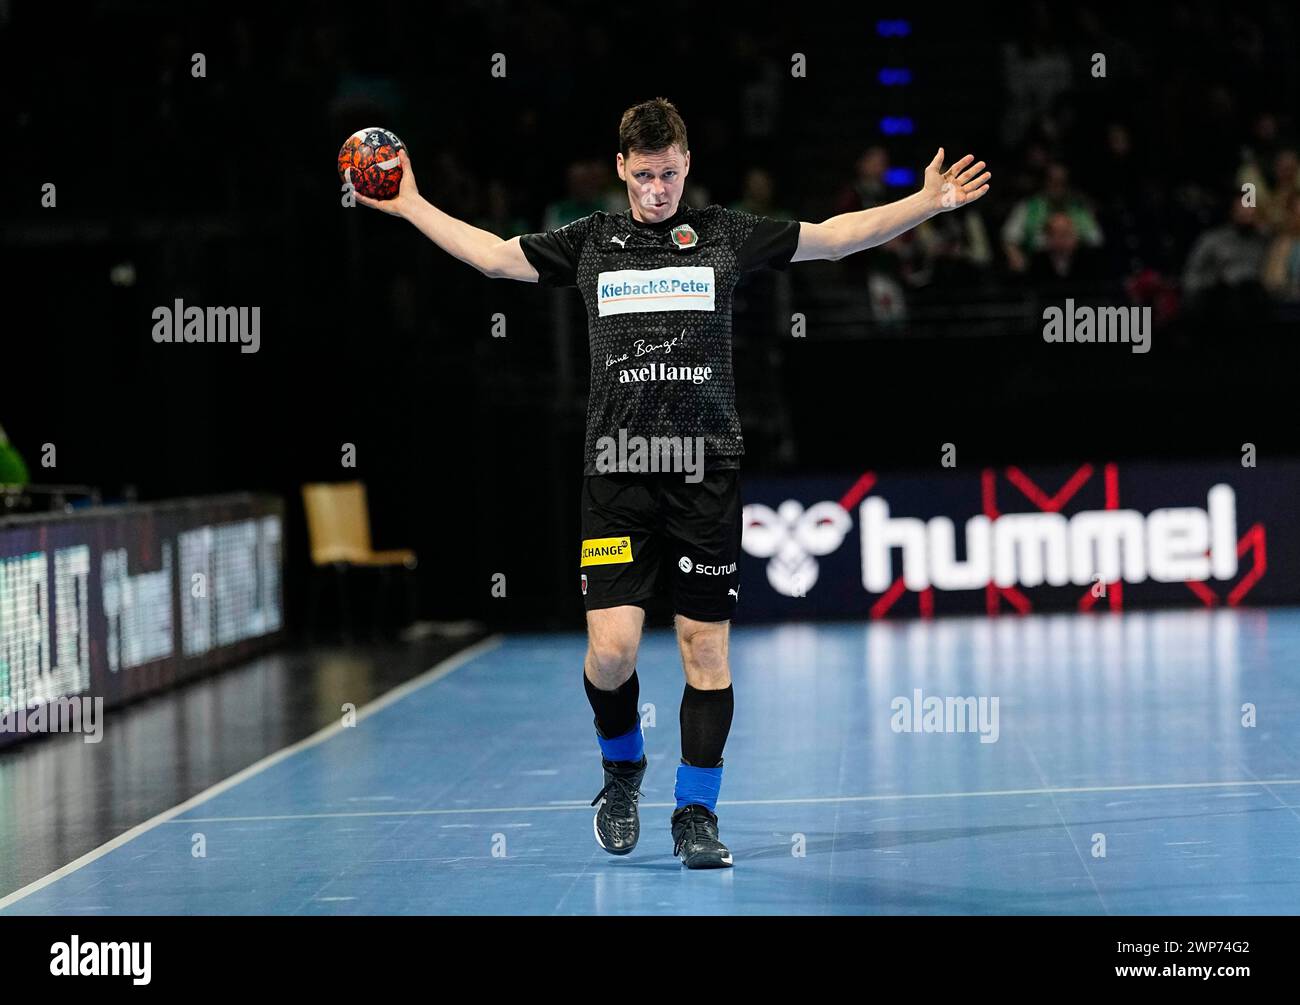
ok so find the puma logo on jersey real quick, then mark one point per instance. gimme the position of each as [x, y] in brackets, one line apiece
[620, 241]
[733, 593]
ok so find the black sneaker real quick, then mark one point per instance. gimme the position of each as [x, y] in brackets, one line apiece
[616, 823]
[695, 839]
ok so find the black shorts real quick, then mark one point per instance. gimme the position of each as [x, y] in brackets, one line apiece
[642, 532]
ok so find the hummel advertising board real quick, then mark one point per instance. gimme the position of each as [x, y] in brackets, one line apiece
[1092, 537]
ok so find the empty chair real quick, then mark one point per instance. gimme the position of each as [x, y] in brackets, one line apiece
[338, 528]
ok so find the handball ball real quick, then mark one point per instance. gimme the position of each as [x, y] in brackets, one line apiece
[369, 160]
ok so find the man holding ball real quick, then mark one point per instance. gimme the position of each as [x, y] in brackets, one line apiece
[657, 281]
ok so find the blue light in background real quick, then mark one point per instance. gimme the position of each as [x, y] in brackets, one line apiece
[893, 28]
[894, 76]
[896, 125]
[900, 177]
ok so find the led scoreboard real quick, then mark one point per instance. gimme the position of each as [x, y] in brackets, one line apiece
[115, 602]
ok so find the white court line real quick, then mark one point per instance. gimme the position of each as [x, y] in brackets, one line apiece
[747, 802]
[434, 673]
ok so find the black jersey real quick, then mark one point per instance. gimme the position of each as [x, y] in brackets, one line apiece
[658, 299]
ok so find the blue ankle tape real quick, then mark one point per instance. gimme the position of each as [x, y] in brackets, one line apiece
[628, 747]
[698, 785]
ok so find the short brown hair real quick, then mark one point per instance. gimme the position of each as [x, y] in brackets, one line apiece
[651, 126]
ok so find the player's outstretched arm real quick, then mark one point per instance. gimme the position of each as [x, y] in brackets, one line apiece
[942, 190]
[491, 255]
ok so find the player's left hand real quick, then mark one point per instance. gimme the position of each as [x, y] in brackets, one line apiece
[960, 185]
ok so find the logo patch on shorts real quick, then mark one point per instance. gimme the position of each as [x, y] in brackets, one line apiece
[685, 564]
[584, 584]
[606, 551]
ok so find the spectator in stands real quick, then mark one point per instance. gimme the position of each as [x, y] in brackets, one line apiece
[1025, 231]
[1035, 72]
[1273, 189]
[954, 252]
[1227, 261]
[584, 197]
[1281, 276]
[884, 269]
[757, 196]
[12, 469]
[1116, 179]
[1261, 146]
[1063, 260]
[1134, 211]
[868, 188]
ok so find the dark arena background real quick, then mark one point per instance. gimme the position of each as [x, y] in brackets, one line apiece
[1088, 550]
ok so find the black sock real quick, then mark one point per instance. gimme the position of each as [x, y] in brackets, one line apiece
[706, 721]
[616, 711]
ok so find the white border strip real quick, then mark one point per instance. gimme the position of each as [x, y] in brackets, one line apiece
[796, 801]
[437, 672]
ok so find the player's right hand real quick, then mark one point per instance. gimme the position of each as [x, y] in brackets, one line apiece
[407, 193]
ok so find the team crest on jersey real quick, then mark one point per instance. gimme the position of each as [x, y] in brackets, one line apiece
[684, 237]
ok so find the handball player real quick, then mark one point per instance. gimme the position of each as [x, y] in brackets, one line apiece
[657, 280]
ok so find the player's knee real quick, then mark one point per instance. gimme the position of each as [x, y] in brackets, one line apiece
[611, 662]
[704, 653]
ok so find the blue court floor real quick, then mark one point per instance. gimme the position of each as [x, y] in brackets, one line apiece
[1135, 763]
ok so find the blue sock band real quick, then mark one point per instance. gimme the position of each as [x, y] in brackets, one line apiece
[628, 747]
[698, 785]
